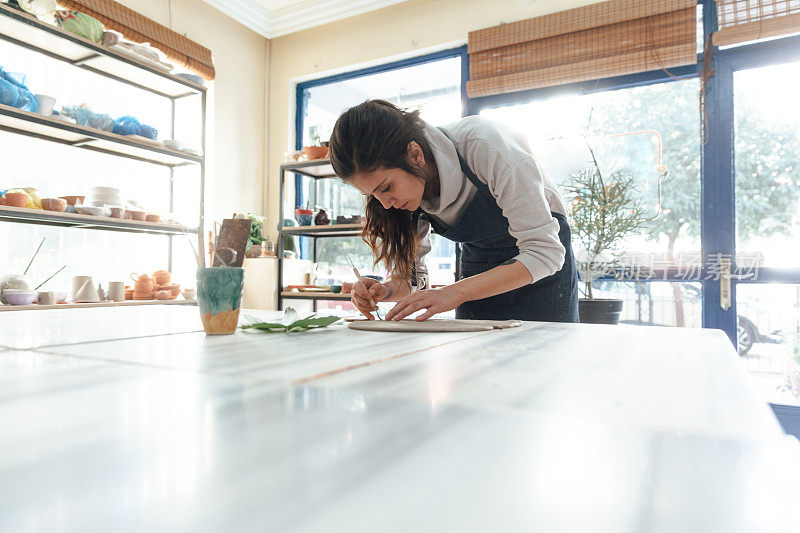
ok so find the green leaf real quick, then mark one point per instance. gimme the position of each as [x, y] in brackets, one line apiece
[311, 322]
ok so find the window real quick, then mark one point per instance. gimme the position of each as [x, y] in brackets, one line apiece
[767, 151]
[650, 133]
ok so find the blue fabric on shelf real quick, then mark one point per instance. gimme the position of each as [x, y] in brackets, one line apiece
[16, 94]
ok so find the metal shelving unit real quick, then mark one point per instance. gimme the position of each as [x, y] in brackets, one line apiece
[316, 169]
[25, 30]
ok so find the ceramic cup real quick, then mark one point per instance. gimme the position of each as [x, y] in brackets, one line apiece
[116, 291]
[46, 104]
[219, 297]
[189, 294]
[47, 298]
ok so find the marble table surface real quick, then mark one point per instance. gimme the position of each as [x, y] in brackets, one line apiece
[131, 419]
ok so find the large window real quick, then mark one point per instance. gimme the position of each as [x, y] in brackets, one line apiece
[433, 87]
[652, 134]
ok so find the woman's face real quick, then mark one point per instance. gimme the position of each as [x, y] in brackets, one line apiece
[393, 187]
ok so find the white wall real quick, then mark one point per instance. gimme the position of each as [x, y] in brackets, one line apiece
[408, 29]
[236, 137]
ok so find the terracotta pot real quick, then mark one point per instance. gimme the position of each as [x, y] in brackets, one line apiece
[152, 217]
[117, 212]
[315, 152]
[176, 290]
[162, 277]
[2, 200]
[17, 199]
[142, 296]
[54, 204]
[162, 295]
[143, 285]
[72, 200]
[135, 215]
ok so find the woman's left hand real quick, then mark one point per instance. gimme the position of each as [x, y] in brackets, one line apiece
[434, 300]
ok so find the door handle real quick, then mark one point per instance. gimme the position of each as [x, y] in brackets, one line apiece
[725, 282]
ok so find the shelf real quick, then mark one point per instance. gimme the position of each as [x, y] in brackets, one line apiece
[317, 168]
[126, 303]
[315, 295]
[333, 230]
[51, 129]
[72, 220]
[26, 30]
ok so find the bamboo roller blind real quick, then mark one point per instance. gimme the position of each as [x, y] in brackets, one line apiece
[141, 29]
[748, 20]
[609, 38]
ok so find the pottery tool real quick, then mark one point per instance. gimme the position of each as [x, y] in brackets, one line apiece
[34, 256]
[361, 279]
[219, 259]
[194, 251]
[233, 235]
[210, 248]
[433, 325]
[51, 277]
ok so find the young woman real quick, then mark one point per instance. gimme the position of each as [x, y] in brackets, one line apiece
[472, 182]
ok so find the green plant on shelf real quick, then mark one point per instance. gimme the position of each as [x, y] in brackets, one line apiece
[256, 237]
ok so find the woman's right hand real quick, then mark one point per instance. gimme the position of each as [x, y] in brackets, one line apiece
[362, 290]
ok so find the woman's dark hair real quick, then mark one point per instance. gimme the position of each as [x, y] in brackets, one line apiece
[372, 135]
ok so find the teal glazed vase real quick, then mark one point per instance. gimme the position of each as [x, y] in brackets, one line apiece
[219, 297]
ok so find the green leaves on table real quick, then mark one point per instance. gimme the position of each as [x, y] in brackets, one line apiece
[291, 323]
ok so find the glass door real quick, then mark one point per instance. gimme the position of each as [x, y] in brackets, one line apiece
[766, 288]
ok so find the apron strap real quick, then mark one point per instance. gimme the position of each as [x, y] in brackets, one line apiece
[466, 169]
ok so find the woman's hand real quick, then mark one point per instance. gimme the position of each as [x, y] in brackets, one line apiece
[434, 300]
[362, 290]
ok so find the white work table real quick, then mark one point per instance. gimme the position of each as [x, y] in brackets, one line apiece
[131, 419]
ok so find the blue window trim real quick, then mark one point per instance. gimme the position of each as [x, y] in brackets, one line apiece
[302, 95]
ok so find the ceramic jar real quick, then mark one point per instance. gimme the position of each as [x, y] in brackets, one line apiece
[162, 277]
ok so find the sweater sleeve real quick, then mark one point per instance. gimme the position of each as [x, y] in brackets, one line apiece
[519, 191]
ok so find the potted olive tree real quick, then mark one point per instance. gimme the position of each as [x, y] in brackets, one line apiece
[604, 210]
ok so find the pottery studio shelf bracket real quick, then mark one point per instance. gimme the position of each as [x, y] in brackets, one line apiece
[26, 31]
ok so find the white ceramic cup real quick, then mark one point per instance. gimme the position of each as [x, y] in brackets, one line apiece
[47, 298]
[189, 294]
[46, 104]
[116, 291]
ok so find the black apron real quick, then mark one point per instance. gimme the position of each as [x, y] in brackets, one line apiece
[482, 234]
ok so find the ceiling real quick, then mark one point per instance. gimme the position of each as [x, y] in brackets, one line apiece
[274, 18]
